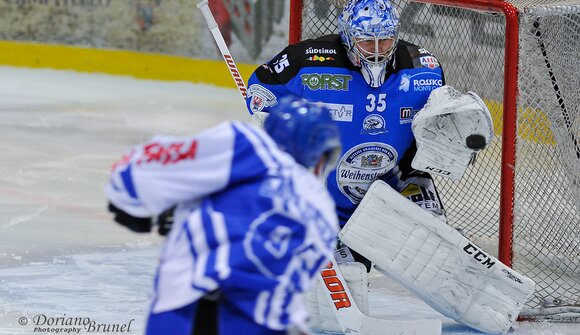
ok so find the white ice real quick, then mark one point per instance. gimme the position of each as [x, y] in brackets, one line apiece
[60, 253]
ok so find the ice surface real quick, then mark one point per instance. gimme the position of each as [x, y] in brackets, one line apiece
[60, 253]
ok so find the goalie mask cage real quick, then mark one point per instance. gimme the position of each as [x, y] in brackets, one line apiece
[522, 196]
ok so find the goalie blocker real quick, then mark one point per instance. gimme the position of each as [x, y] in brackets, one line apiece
[436, 262]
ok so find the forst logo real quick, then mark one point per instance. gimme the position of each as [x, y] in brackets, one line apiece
[326, 81]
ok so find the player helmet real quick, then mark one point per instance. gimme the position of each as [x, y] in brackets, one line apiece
[306, 131]
[369, 30]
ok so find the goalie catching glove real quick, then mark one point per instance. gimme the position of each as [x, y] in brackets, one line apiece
[450, 129]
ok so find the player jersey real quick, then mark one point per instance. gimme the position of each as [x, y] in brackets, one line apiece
[375, 123]
[250, 221]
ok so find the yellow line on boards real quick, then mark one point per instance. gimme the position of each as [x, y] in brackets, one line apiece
[120, 62]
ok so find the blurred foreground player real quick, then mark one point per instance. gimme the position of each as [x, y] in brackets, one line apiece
[400, 124]
[253, 221]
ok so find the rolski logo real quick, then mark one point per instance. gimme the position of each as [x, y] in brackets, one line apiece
[438, 171]
[426, 84]
[236, 74]
[326, 81]
[319, 58]
[420, 85]
[312, 50]
[171, 153]
[479, 255]
[335, 287]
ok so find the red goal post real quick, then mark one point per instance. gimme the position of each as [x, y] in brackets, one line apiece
[522, 197]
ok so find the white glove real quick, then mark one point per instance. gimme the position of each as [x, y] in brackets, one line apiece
[449, 130]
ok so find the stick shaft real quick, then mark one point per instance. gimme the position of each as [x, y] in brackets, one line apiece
[223, 47]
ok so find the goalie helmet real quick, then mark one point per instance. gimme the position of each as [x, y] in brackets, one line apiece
[306, 131]
[369, 30]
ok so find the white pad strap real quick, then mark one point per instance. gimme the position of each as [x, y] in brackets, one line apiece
[449, 130]
[436, 262]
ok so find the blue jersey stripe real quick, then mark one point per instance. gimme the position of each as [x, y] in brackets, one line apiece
[126, 176]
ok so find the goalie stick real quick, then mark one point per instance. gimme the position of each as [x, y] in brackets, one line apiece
[222, 46]
[351, 319]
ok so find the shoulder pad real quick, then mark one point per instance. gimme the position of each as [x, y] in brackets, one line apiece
[325, 51]
[412, 56]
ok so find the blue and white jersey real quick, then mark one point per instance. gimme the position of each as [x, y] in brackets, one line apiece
[375, 123]
[249, 222]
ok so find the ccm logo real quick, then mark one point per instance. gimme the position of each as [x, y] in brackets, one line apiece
[478, 255]
[335, 287]
[436, 170]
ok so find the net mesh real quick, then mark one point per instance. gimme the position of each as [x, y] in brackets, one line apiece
[470, 45]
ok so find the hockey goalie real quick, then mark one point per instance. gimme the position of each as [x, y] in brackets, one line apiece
[412, 244]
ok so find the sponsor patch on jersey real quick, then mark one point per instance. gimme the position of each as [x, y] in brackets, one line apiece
[341, 112]
[405, 83]
[406, 115]
[423, 196]
[260, 97]
[326, 81]
[420, 82]
[317, 58]
[423, 51]
[323, 51]
[426, 84]
[361, 165]
[374, 124]
[429, 61]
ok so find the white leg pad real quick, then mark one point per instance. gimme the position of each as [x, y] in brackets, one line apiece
[433, 260]
[322, 315]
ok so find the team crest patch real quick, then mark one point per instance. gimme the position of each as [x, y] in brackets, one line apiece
[260, 97]
[429, 61]
[362, 165]
[374, 124]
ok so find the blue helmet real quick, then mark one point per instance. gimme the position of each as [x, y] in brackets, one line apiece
[306, 131]
[369, 29]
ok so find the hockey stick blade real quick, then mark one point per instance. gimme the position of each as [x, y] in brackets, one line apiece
[353, 321]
